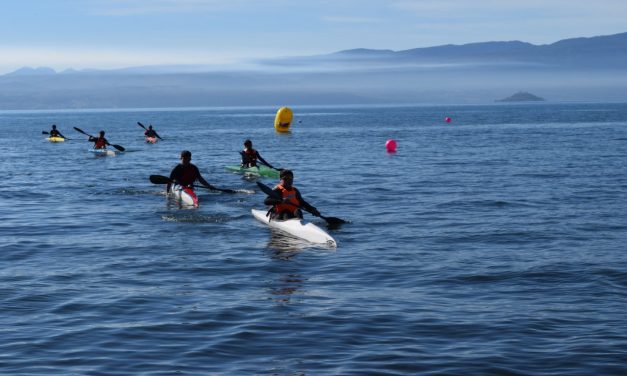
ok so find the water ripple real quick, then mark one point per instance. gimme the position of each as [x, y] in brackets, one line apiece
[493, 246]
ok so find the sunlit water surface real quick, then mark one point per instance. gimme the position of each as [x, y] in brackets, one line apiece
[494, 244]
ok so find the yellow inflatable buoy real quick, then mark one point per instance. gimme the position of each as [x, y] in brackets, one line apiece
[283, 119]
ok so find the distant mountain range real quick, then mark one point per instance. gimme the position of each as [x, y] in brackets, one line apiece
[596, 51]
[578, 69]
[28, 71]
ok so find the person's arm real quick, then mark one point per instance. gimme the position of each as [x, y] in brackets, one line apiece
[174, 174]
[273, 201]
[263, 160]
[245, 159]
[205, 183]
[202, 180]
[305, 205]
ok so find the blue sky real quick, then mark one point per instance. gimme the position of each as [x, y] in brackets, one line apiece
[119, 33]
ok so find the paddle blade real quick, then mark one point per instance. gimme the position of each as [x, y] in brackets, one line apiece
[141, 125]
[267, 190]
[159, 179]
[44, 132]
[120, 148]
[334, 221]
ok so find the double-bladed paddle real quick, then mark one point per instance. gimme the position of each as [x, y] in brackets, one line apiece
[332, 221]
[120, 148]
[160, 179]
[142, 125]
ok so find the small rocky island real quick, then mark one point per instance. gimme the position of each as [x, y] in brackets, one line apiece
[521, 96]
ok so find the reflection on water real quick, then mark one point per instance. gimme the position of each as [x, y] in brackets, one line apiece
[283, 247]
[173, 203]
[194, 218]
[284, 244]
[286, 287]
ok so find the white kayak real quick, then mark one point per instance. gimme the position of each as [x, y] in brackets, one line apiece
[103, 152]
[295, 227]
[184, 195]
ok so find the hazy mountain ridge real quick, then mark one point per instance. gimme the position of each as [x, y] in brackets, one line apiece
[578, 69]
[593, 47]
[28, 71]
[600, 49]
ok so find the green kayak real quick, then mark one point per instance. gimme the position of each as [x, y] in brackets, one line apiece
[258, 171]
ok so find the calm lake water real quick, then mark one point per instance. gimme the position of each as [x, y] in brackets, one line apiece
[491, 245]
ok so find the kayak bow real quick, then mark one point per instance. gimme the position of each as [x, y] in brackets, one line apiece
[255, 171]
[103, 152]
[184, 195]
[297, 227]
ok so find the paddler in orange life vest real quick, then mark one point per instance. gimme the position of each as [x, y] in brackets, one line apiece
[100, 142]
[291, 201]
[186, 173]
[250, 156]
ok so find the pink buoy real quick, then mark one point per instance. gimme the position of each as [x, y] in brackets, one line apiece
[390, 146]
[447, 119]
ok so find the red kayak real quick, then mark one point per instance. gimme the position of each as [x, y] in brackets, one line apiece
[184, 195]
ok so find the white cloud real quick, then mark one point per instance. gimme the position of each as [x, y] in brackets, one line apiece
[535, 21]
[489, 8]
[351, 20]
[140, 7]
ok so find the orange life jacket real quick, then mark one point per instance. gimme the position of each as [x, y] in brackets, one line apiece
[290, 195]
[101, 143]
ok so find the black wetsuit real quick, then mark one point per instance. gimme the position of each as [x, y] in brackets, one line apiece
[55, 133]
[185, 175]
[250, 160]
[151, 133]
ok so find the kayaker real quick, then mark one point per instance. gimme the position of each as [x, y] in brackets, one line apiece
[291, 200]
[151, 133]
[250, 156]
[100, 142]
[54, 132]
[186, 173]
